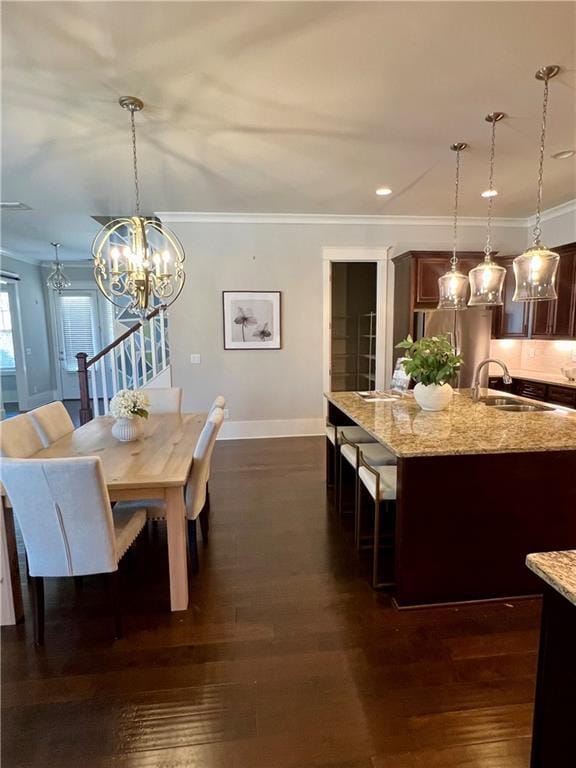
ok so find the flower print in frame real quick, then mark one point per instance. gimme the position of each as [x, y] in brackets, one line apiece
[251, 319]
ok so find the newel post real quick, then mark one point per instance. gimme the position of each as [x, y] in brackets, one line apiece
[85, 409]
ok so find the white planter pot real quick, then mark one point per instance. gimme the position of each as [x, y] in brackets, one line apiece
[433, 397]
[127, 430]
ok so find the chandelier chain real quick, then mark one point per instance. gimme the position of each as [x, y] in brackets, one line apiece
[488, 247]
[537, 228]
[454, 259]
[135, 162]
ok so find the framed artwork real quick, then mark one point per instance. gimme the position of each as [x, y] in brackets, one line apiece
[251, 319]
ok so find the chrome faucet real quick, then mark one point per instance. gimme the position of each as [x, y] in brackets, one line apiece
[506, 378]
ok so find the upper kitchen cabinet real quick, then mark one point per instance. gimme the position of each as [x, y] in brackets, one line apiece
[540, 319]
[556, 319]
[427, 267]
[511, 319]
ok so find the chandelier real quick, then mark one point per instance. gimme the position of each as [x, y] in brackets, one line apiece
[138, 262]
[535, 269]
[57, 280]
[453, 286]
[487, 279]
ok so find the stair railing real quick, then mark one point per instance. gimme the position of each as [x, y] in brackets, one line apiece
[129, 362]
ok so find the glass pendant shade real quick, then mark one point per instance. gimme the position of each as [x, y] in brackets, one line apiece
[453, 290]
[486, 284]
[57, 280]
[535, 273]
[138, 263]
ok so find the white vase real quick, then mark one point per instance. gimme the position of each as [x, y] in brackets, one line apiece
[126, 430]
[433, 397]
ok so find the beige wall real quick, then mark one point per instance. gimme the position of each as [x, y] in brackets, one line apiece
[267, 386]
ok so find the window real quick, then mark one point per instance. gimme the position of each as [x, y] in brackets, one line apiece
[7, 361]
[78, 327]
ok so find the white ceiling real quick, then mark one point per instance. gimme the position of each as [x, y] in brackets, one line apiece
[276, 107]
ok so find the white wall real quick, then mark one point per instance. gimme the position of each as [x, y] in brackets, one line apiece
[558, 225]
[276, 392]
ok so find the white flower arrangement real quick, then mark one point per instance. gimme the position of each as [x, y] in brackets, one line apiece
[128, 404]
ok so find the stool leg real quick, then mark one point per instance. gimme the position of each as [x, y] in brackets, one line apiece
[376, 545]
[193, 546]
[358, 510]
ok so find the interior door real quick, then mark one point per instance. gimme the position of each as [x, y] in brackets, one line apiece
[79, 330]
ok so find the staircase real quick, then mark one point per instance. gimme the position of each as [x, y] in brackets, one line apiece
[136, 359]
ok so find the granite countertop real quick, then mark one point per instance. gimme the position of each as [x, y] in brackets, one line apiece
[545, 378]
[464, 428]
[557, 569]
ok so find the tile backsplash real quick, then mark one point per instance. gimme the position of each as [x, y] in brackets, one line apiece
[533, 355]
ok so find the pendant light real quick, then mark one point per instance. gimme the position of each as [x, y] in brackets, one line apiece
[453, 286]
[487, 279]
[535, 269]
[138, 263]
[57, 280]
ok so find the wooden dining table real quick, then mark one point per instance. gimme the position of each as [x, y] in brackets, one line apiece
[156, 466]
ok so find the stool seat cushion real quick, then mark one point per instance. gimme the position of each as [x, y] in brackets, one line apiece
[373, 453]
[387, 481]
[354, 434]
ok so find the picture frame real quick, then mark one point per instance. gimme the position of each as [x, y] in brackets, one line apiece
[252, 319]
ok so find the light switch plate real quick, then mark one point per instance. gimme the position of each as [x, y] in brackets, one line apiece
[195, 359]
[226, 413]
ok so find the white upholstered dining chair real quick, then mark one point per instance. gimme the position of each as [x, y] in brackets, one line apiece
[19, 437]
[52, 422]
[196, 495]
[164, 399]
[64, 513]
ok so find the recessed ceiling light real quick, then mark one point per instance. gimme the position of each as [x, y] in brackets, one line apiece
[564, 154]
[489, 193]
[15, 206]
[383, 191]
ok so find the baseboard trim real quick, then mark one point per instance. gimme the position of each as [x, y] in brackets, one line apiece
[250, 430]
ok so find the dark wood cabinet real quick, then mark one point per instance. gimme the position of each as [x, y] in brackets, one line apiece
[537, 390]
[429, 266]
[540, 319]
[511, 319]
[556, 319]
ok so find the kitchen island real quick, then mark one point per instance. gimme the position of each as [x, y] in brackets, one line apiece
[554, 710]
[478, 489]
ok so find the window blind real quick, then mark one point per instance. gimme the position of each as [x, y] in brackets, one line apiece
[78, 324]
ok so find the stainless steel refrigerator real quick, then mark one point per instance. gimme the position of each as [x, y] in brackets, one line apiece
[469, 330]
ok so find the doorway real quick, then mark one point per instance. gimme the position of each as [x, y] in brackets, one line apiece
[355, 317]
[13, 381]
[82, 325]
[353, 326]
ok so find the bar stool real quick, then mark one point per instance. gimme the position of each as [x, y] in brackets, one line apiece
[380, 481]
[374, 454]
[353, 433]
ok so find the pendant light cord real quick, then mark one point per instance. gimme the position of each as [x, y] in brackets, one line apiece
[537, 229]
[454, 259]
[135, 162]
[488, 247]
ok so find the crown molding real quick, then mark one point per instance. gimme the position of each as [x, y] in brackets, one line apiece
[25, 258]
[196, 217]
[70, 264]
[564, 209]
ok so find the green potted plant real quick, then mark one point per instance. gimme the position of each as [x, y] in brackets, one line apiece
[433, 364]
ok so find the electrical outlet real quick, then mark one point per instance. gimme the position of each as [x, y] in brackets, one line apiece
[226, 413]
[531, 352]
[28, 350]
[574, 355]
[195, 359]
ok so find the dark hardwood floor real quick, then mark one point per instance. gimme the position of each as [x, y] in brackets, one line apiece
[285, 658]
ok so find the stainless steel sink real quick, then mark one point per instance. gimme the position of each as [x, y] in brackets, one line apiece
[497, 401]
[523, 408]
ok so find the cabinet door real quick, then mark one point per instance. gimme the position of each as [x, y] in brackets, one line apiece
[535, 390]
[430, 267]
[556, 319]
[511, 319]
[562, 395]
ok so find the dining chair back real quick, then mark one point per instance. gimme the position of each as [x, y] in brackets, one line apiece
[196, 487]
[52, 422]
[64, 513]
[219, 402]
[164, 399]
[19, 438]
